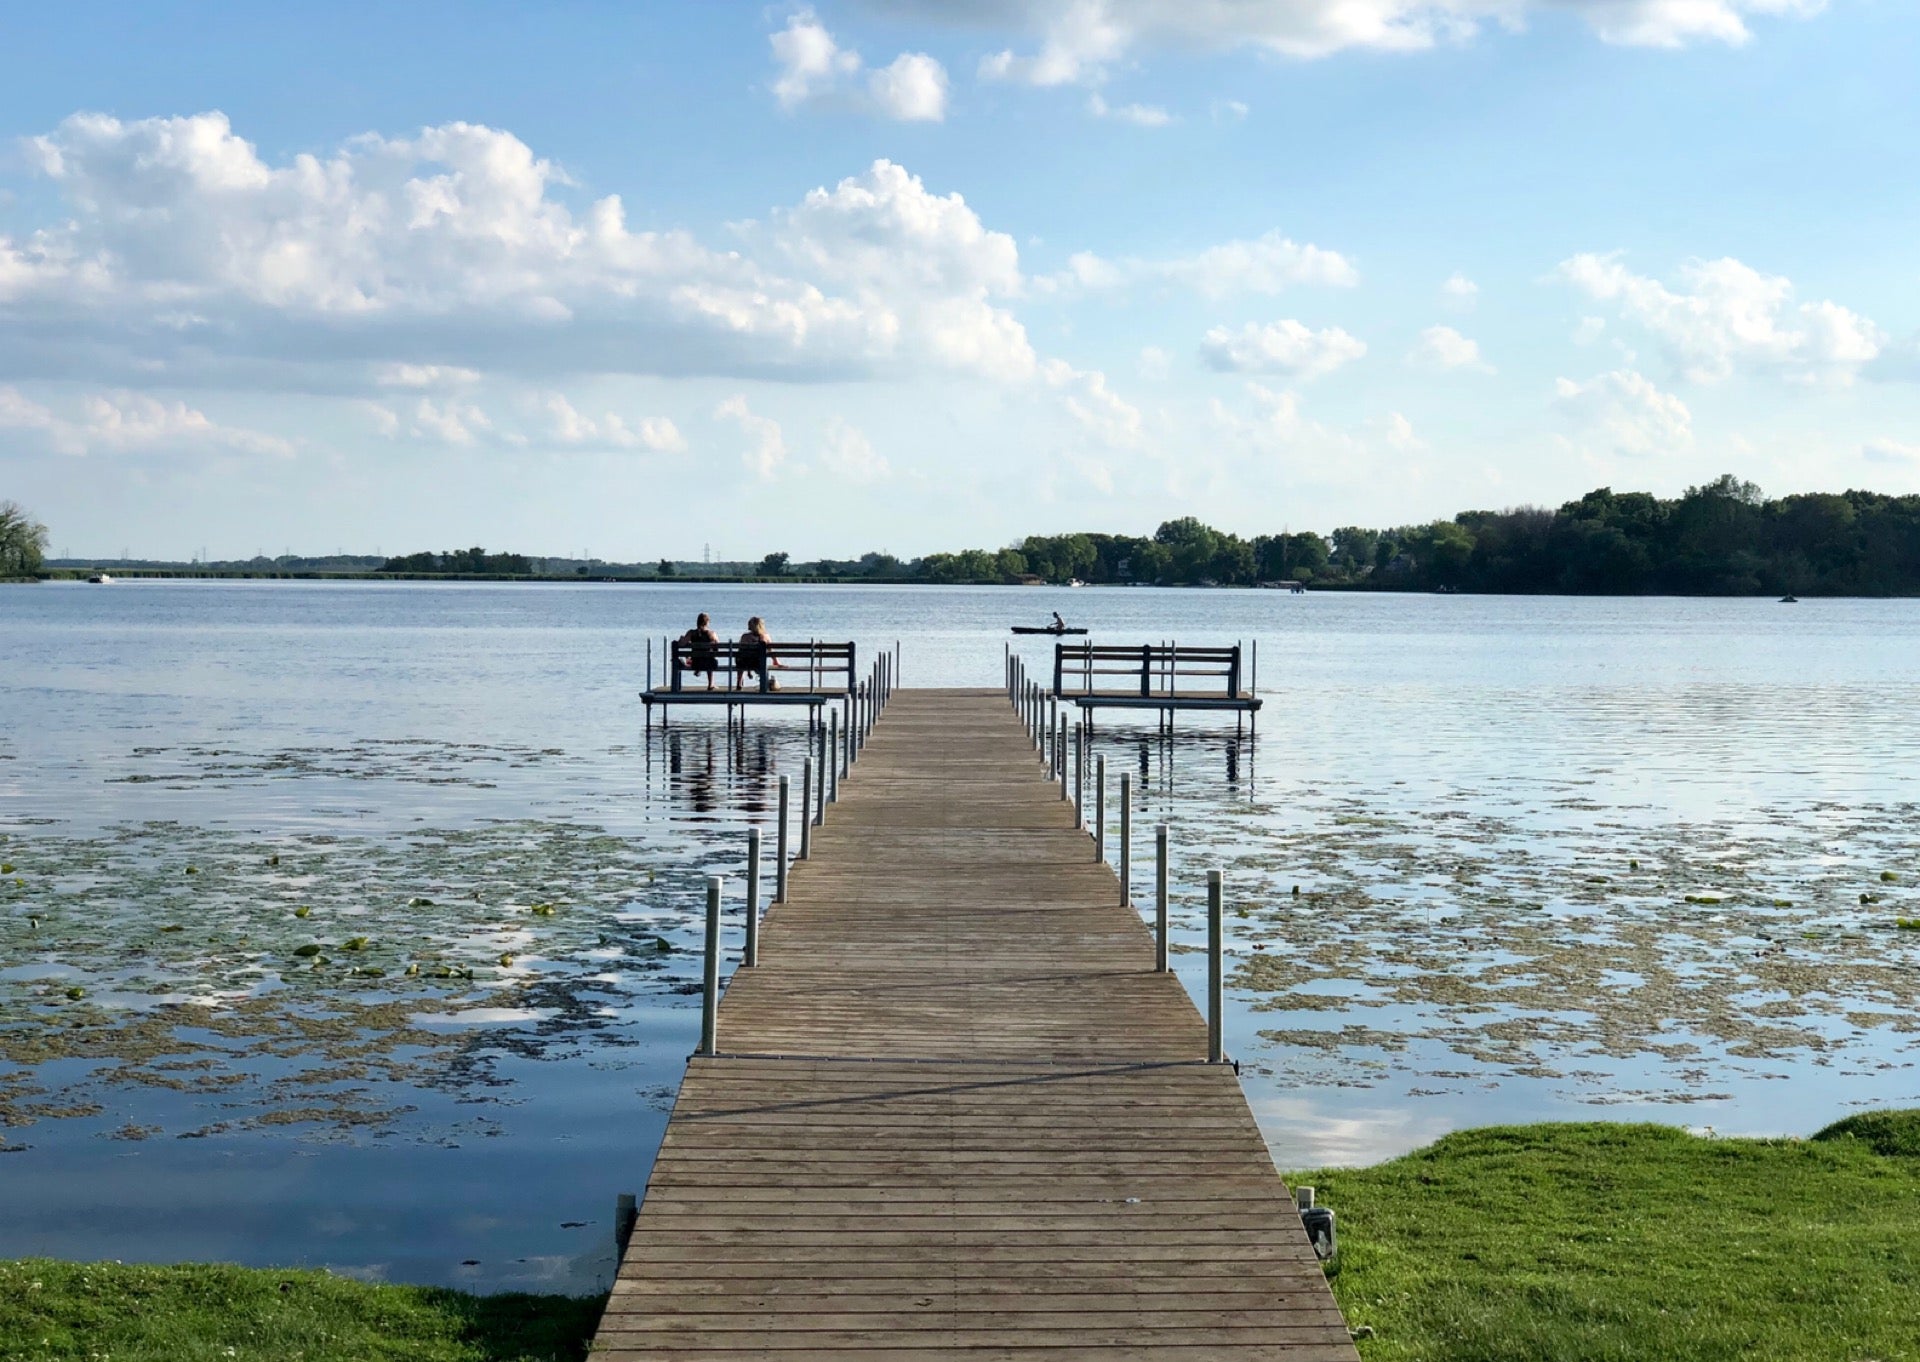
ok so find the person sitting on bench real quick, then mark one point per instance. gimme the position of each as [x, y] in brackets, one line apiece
[753, 655]
[702, 645]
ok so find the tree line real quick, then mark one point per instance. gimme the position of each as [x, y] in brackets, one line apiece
[475, 561]
[23, 541]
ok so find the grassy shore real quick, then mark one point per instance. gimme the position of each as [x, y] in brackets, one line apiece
[1551, 1243]
[218, 1313]
[1578, 1243]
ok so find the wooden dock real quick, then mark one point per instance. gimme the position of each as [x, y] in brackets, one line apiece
[955, 1111]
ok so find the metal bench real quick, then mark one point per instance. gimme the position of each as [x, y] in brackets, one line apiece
[1160, 676]
[810, 674]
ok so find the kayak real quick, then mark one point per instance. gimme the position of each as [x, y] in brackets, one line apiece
[1043, 629]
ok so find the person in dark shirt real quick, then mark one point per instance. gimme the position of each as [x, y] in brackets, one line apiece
[702, 644]
[753, 655]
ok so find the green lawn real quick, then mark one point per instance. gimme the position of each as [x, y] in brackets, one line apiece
[1635, 1242]
[1552, 1243]
[131, 1313]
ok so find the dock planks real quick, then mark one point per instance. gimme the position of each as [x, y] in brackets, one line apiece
[955, 1110]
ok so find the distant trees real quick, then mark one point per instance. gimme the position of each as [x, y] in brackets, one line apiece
[475, 561]
[773, 565]
[23, 541]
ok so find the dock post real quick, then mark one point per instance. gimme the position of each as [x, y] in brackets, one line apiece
[649, 662]
[1126, 838]
[780, 845]
[806, 808]
[710, 995]
[833, 756]
[751, 955]
[1160, 898]
[1100, 808]
[1216, 1054]
[1079, 777]
[820, 789]
[1060, 752]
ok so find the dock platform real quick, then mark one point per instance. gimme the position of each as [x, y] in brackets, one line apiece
[955, 1111]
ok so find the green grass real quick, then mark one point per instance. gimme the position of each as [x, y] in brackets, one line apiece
[217, 1313]
[1575, 1243]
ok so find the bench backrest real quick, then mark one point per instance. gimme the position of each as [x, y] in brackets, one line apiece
[813, 666]
[1145, 669]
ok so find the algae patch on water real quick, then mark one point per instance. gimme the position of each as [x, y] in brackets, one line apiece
[287, 973]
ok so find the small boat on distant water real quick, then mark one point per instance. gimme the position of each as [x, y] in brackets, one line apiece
[100, 579]
[1044, 629]
[1789, 599]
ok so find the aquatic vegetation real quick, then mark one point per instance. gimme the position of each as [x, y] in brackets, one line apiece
[149, 974]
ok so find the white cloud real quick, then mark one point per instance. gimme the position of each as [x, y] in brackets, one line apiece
[1589, 330]
[128, 422]
[1727, 317]
[809, 60]
[1266, 265]
[1154, 363]
[1460, 291]
[811, 66]
[424, 261]
[1282, 347]
[610, 431]
[1140, 115]
[1627, 412]
[766, 448]
[1083, 41]
[1441, 347]
[848, 453]
[1098, 410]
[451, 422]
[912, 90]
[1229, 110]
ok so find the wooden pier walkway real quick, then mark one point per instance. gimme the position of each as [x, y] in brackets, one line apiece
[956, 1112]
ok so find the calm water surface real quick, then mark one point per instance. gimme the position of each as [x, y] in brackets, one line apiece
[353, 924]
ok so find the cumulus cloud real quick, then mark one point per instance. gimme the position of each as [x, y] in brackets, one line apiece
[1460, 291]
[1896, 452]
[766, 449]
[457, 251]
[1140, 115]
[810, 66]
[1083, 41]
[1269, 264]
[1442, 348]
[1726, 317]
[847, 453]
[1282, 347]
[128, 422]
[610, 431]
[1096, 407]
[1625, 411]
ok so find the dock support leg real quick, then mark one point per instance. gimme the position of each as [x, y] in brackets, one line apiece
[1216, 931]
[780, 844]
[833, 757]
[1079, 778]
[820, 793]
[1160, 898]
[1099, 808]
[751, 955]
[1126, 838]
[806, 808]
[1060, 753]
[710, 995]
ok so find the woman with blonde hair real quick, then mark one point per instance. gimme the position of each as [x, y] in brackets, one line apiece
[753, 656]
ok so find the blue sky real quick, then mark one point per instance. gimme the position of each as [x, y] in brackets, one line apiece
[640, 278]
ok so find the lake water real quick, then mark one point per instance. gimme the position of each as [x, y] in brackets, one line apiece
[354, 924]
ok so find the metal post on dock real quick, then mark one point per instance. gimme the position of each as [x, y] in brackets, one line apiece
[846, 744]
[1100, 808]
[833, 756]
[751, 955]
[649, 663]
[1060, 753]
[710, 996]
[1079, 778]
[1126, 838]
[780, 845]
[1160, 898]
[820, 790]
[1216, 1053]
[806, 807]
